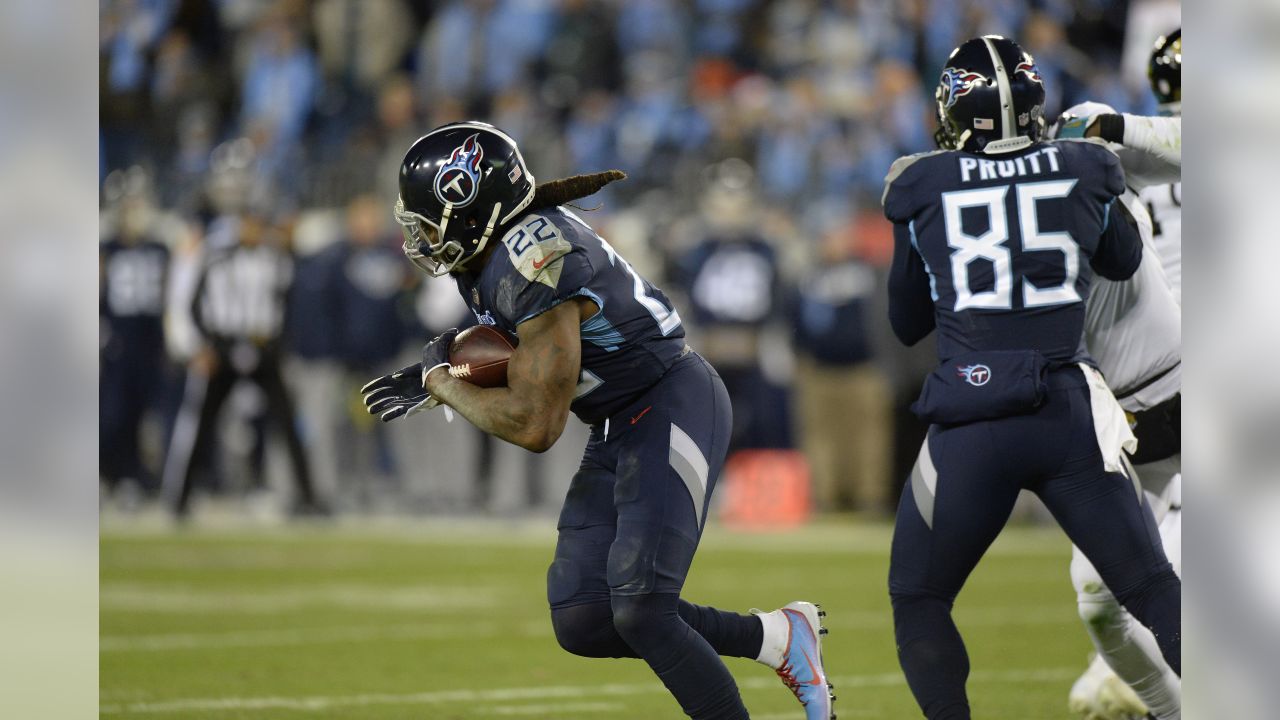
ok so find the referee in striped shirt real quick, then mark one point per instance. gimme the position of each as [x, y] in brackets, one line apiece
[238, 309]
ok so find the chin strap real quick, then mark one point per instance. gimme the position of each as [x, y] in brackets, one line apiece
[484, 239]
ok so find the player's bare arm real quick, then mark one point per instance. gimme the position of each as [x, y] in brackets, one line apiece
[541, 378]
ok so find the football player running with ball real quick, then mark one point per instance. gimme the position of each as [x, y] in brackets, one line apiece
[997, 237]
[597, 339]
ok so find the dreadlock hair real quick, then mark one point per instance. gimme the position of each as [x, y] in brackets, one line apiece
[565, 190]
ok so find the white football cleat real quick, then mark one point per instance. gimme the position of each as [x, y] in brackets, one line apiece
[793, 648]
[1099, 694]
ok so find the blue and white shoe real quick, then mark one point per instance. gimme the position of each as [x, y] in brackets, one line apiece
[793, 648]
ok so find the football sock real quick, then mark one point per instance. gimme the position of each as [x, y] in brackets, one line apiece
[1130, 650]
[776, 635]
[680, 657]
[730, 634]
[587, 630]
[932, 655]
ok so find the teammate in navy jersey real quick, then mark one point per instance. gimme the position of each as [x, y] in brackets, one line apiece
[597, 339]
[134, 272]
[995, 239]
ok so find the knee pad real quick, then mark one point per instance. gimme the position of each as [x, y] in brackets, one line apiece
[573, 579]
[587, 630]
[640, 618]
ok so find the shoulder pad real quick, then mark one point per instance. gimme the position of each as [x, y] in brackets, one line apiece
[1105, 158]
[535, 245]
[900, 166]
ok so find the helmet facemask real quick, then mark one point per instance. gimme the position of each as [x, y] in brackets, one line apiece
[424, 245]
[946, 137]
[459, 185]
[424, 242]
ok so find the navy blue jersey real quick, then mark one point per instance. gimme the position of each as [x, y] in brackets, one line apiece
[732, 281]
[552, 256]
[132, 293]
[371, 290]
[996, 250]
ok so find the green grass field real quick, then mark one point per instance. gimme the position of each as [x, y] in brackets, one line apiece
[447, 619]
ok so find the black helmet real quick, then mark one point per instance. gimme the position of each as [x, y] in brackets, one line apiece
[1165, 69]
[459, 184]
[990, 98]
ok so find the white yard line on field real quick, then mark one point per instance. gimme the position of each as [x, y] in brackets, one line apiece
[556, 708]
[133, 597]
[507, 695]
[292, 637]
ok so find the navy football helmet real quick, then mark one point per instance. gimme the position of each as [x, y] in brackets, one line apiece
[1165, 70]
[459, 184]
[990, 98]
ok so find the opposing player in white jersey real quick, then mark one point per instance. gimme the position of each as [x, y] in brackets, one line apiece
[1133, 329]
[1151, 152]
[1164, 201]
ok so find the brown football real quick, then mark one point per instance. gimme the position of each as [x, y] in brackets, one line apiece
[479, 355]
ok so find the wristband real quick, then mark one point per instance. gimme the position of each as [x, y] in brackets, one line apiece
[1111, 128]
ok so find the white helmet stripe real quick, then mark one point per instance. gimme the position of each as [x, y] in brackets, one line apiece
[1008, 125]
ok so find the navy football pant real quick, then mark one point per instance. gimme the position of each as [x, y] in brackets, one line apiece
[127, 388]
[960, 494]
[629, 528]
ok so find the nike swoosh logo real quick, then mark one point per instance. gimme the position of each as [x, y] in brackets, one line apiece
[538, 265]
[813, 670]
[636, 419]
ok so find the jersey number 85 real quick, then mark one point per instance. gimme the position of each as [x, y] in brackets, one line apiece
[990, 246]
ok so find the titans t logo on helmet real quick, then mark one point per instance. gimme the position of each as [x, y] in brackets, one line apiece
[458, 180]
[958, 83]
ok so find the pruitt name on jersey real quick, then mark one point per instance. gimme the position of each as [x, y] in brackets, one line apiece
[1021, 166]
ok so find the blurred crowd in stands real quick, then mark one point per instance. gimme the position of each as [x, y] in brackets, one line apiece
[756, 135]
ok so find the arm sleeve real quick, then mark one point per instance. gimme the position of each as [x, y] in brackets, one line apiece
[910, 298]
[1143, 169]
[1120, 248]
[1160, 136]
